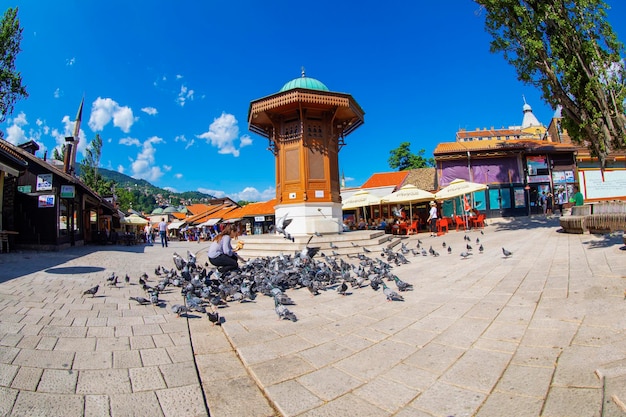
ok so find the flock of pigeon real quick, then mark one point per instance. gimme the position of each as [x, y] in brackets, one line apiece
[205, 291]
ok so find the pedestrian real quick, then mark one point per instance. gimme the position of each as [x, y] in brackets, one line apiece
[163, 232]
[560, 200]
[221, 254]
[432, 218]
[549, 203]
[148, 234]
[543, 202]
[578, 199]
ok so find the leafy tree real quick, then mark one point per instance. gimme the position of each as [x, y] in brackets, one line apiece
[402, 158]
[58, 155]
[11, 88]
[89, 168]
[568, 50]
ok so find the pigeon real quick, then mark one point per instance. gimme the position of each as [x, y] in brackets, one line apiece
[443, 245]
[281, 225]
[465, 254]
[402, 286]
[318, 234]
[140, 300]
[127, 279]
[113, 283]
[283, 312]
[354, 244]
[449, 249]
[468, 247]
[333, 246]
[477, 241]
[142, 282]
[214, 317]
[366, 250]
[92, 291]
[179, 309]
[480, 248]
[506, 253]
[391, 294]
[341, 289]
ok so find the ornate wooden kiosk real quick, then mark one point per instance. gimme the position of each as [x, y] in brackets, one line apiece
[306, 124]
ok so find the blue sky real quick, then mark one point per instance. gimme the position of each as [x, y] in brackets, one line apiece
[167, 85]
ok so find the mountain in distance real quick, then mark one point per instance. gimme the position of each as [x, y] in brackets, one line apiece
[130, 183]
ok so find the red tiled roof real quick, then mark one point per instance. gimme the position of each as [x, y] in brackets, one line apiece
[501, 145]
[197, 208]
[386, 179]
[263, 208]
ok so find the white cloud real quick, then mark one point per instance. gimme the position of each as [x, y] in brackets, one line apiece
[171, 189]
[180, 138]
[252, 194]
[167, 168]
[69, 62]
[15, 132]
[190, 144]
[178, 76]
[143, 167]
[150, 110]
[184, 95]
[57, 93]
[130, 142]
[349, 179]
[105, 109]
[214, 193]
[223, 133]
[247, 194]
[178, 176]
[120, 169]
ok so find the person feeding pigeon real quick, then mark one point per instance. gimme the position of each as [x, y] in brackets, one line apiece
[221, 253]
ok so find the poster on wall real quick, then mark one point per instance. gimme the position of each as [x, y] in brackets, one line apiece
[44, 182]
[520, 197]
[45, 201]
[535, 163]
[593, 186]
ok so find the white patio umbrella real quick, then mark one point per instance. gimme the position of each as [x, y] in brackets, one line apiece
[409, 193]
[133, 219]
[457, 188]
[361, 198]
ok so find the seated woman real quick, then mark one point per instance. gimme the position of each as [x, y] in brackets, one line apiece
[362, 225]
[221, 254]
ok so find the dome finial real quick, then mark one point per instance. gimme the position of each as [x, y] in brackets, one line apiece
[303, 73]
[524, 98]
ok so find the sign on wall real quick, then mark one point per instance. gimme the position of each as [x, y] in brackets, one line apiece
[44, 182]
[594, 186]
[68, 191]
[45, 201]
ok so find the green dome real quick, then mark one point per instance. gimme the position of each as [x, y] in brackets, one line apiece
[304, 82]
[157, 210]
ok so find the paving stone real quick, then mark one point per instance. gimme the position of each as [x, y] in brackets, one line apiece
[449, 400]
[187, 401]
[146, 379]
[386, 394]
[7, 373]
[329, 383]
[93, 360]
[29, 404]
[7, 354]
[180, 353]
[108, 344]
[347, 405]
[47, 343]
[140, 404]
[152, 357]
[435, 358]
[518, 406]
[45, 359]
[224, 398]
[75, 344]
[27, 378]
[478, 370]
[109, 381]
[530, 381]
[97, 405]
[141, 342]
[10, 339]
[562, 401]
[162, 340]
[58, 381]
[126, 359]
[7, 399]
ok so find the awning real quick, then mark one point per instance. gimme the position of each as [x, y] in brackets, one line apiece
[175, 225]
[232, 220]
[209, 222]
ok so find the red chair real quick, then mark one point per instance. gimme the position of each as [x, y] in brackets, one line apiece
[441, 225]
[478, 221]
[460, 223]
[414, 228]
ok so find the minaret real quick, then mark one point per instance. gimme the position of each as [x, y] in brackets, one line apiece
[306, 124]
[529, 119]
